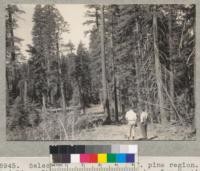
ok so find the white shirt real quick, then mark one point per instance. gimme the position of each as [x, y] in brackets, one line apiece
[131, 116]
[143, 117]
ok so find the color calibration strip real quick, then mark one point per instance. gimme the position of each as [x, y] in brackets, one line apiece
[93, 158]
[94, 154]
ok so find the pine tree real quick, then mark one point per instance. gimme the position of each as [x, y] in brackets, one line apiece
[82, 75]
[142, 76]
[48, 26]
[38, 60]
[13, 54]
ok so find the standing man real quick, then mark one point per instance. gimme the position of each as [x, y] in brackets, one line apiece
[131, 117]
[143, 123]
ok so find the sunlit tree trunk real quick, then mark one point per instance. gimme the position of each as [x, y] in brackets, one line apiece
[44, 109]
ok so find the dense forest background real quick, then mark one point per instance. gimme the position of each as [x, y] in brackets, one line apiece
[139, 56]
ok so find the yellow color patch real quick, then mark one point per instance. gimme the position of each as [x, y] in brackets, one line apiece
[102, 158]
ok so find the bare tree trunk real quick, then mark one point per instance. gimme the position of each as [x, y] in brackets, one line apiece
[158, 70]
[148, 107]
[73, 120]
[52, 97]
[181, 39]
[81, 100]
[137, 68]
[103, 60]
[81, 90]
[48, 63]
[63, 97]
[138, 83]
[171, 77]
[116, 101]
[48, 80]
[7, 89]
[44, 109]
[25, 93]
[60, 78]
[114, 78]
[148, 98]
[165, 76]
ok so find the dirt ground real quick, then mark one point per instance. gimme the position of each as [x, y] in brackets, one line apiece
[120, 132]
[51, 129]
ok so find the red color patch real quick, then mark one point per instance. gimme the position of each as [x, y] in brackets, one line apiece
[93, 158]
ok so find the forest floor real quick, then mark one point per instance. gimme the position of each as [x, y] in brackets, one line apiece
[171, 131]
[154, 132]
[51, 129]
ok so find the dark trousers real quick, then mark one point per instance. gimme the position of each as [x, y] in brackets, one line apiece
[144, 130]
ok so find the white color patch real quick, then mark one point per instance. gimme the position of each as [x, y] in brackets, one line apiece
[132, 149]
[75, 158]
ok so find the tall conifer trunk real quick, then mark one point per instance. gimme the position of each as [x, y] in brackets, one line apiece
[158, 69]
[137, 67]
[44, 109]
[25, 93]
[171, 80]
[60, 77]
[48, 58]
[103, 61]
[114, 76]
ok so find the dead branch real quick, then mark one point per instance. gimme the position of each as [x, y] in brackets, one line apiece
[173, 105]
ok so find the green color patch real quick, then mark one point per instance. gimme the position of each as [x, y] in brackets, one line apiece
[111, 158]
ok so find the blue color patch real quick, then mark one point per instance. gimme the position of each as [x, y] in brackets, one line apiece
[130, 158]
[120, 158]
